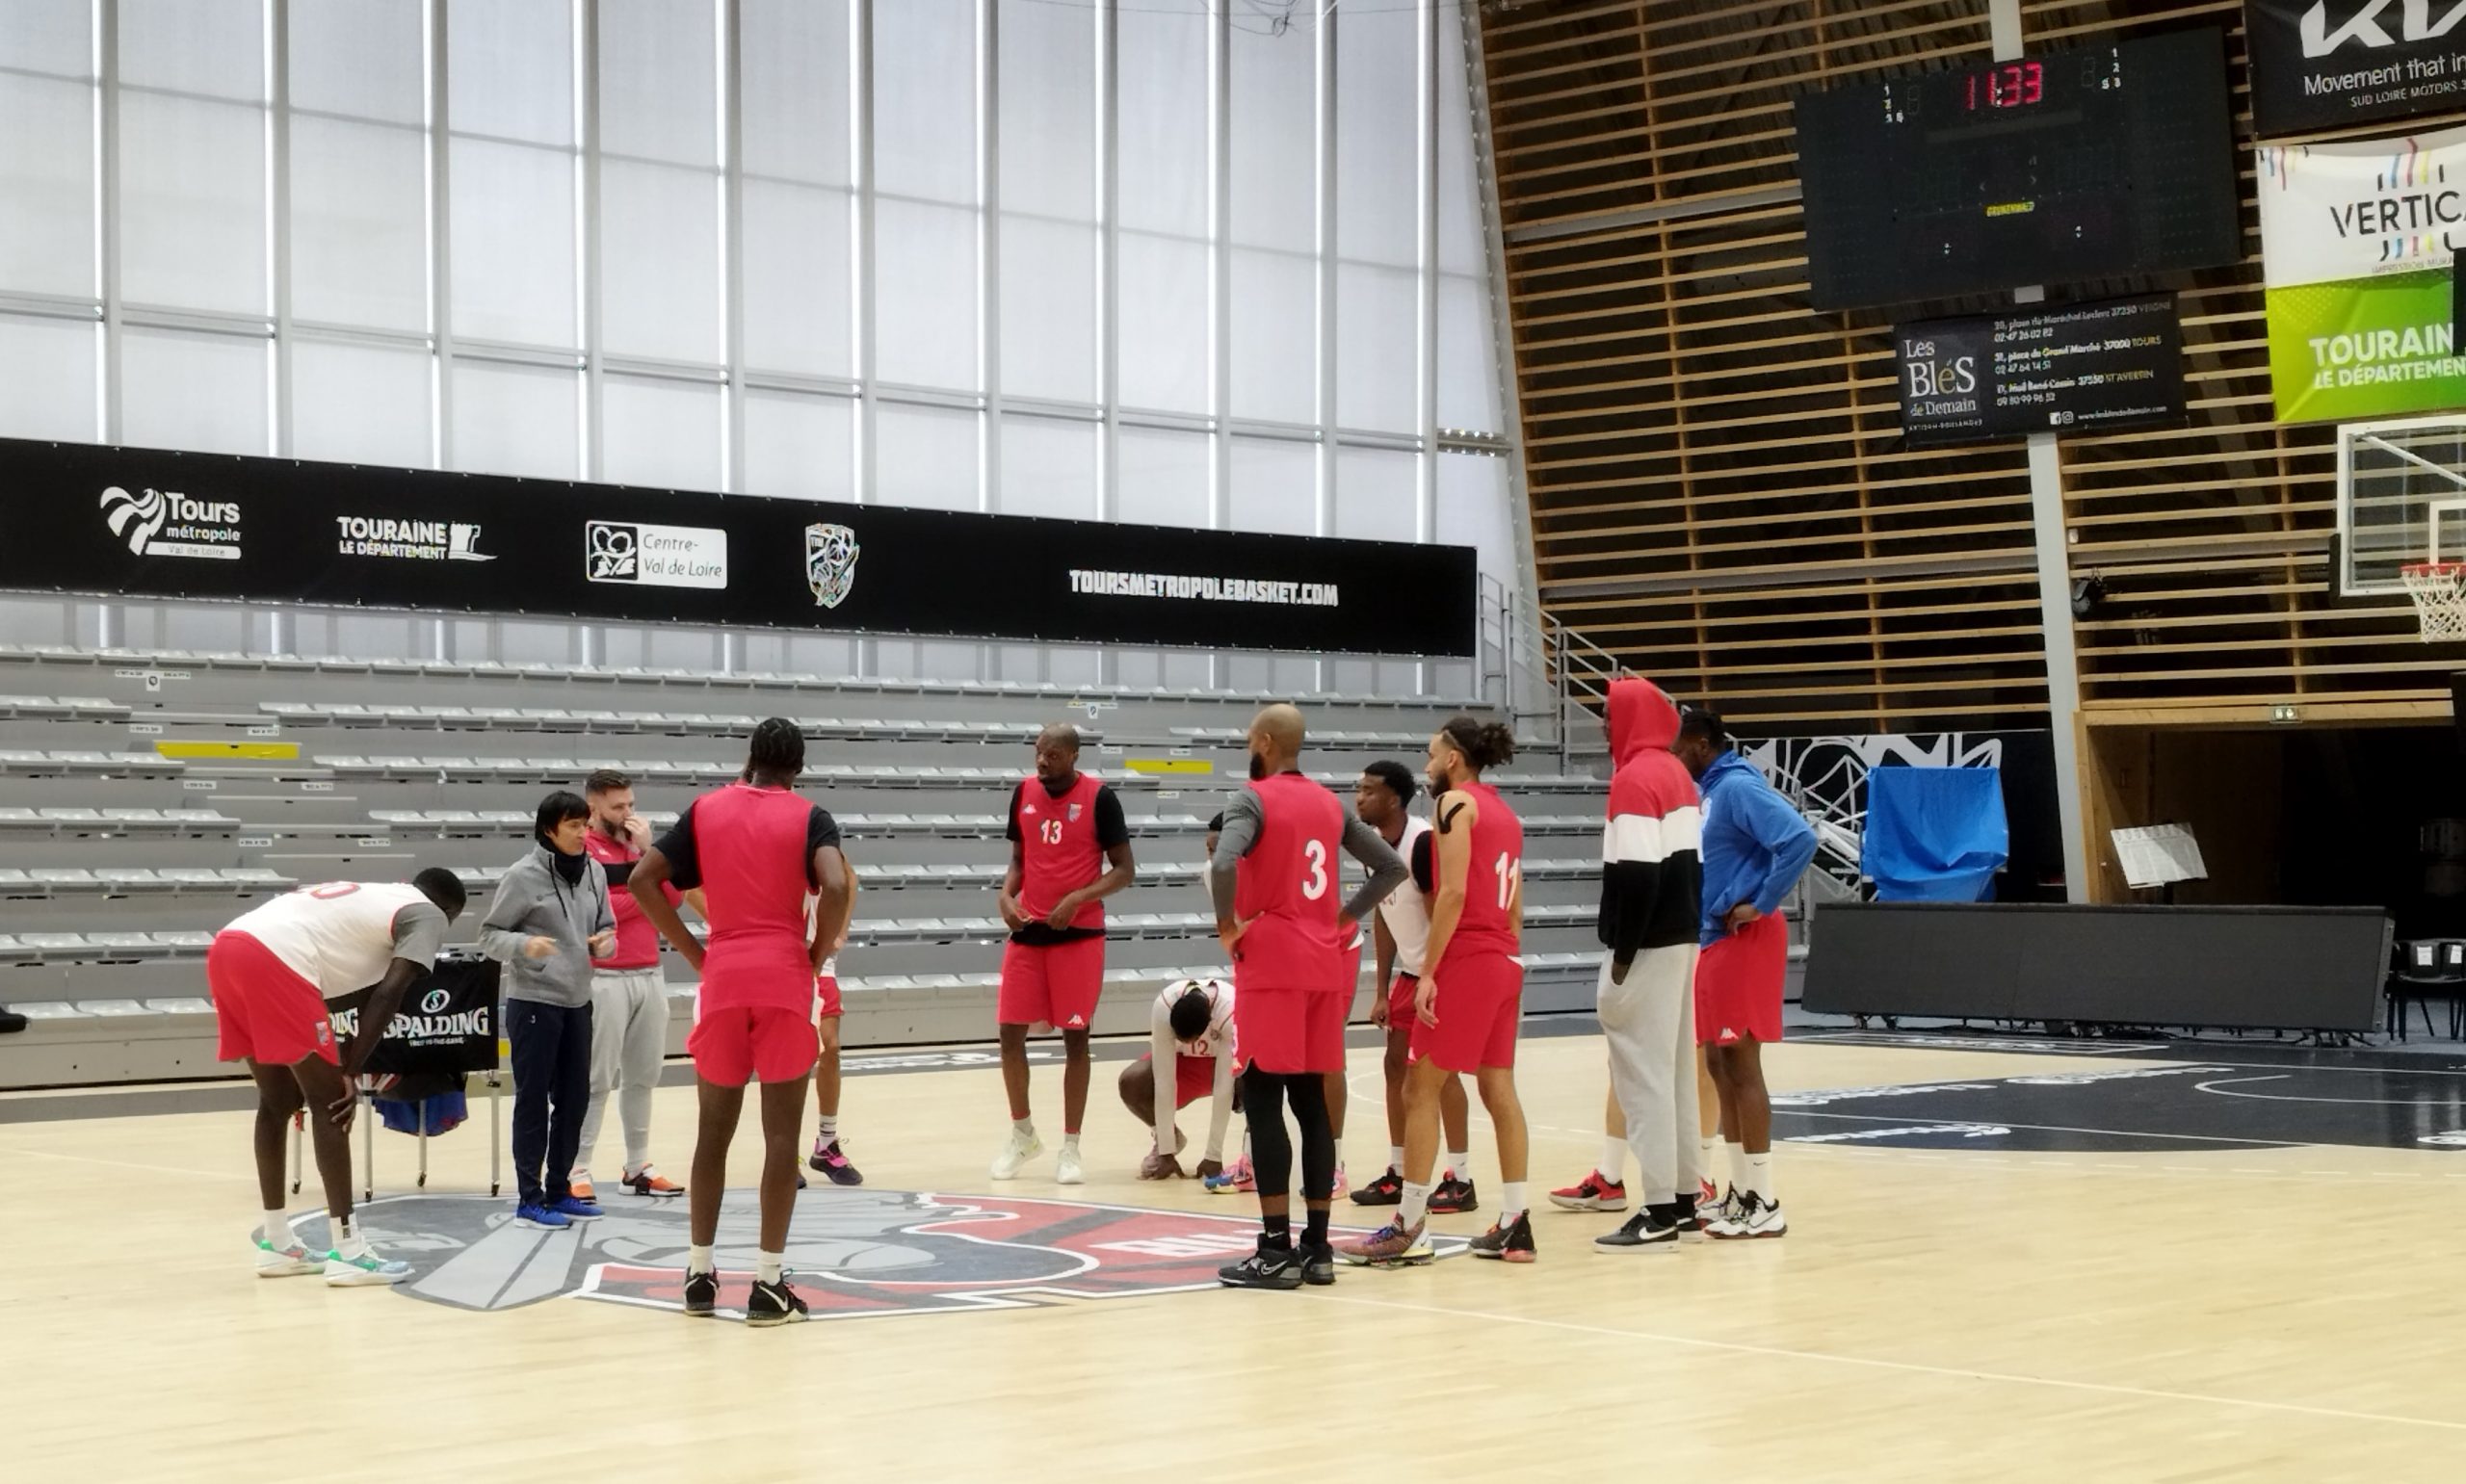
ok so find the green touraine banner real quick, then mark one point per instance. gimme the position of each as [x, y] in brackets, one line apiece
[2355, 247]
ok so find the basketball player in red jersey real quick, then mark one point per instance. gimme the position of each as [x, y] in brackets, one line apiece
[755, 850]
[1274, 881]
[1468, 1006]
[1069, 850]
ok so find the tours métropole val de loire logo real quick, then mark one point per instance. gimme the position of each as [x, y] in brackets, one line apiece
[166, 523]
[853, 1253]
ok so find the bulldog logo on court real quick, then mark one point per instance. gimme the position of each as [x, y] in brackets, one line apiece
[853, 1253]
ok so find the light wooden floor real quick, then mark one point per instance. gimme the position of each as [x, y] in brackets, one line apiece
[2294, 1314]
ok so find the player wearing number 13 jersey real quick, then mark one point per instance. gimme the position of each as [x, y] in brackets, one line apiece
[1296, 956]
[1470, 998]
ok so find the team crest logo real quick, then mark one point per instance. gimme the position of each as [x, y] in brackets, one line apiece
[830, 563]
[1074, 811]
[854, 1254]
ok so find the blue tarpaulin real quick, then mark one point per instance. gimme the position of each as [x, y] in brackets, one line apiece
[1935, 834]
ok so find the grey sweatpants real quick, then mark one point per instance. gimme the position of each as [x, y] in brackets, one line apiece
[628, 1044]
[1650, 1025]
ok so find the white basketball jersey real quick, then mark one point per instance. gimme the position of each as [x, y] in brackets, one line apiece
[1406, 911]
[338, 936]
[1218, 1037]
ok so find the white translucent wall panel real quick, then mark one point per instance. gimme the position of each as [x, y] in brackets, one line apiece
[203, 392]
[659, 250]
[193, 202]
[798, 446]
[1163, 477]
[1375, 498]
[509, 69]
[47, 183]
[357, 404]
[47, 388]
[663, 434]
[358, 223]
[1473, 510]
[513, 243]
[1273, 487]
[517, 420]
[927, 457]
[1048, 467]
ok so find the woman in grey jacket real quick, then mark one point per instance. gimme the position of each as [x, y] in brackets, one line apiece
[550, 919]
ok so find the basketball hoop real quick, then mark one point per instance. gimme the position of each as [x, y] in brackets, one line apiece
[2439, 591]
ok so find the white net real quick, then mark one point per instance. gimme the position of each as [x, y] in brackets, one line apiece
[2439, 591]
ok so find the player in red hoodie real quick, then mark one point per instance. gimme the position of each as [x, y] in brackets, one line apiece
[1651, 879]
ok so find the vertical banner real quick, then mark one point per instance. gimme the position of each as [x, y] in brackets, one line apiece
[2356, 245]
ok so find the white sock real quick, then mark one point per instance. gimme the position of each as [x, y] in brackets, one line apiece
[275, 1229]
[1706, 1146]
[827, 1128]
[1759, 1176]
[347, 1242]
[1614, 1160]
[1459, 1165]
[698, 1260]
[1416, 1205]
[1510, 1201]
[771, 1263]
[1070, 1142]
[1738, 1168]
[1396, 1158]
[1024, 1128]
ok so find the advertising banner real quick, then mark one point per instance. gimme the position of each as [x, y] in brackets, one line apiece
[2060, 368]
[2355, 242]
[2335, 64]
[85, 518]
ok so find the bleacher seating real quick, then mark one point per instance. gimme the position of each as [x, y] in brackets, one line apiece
[126, 860]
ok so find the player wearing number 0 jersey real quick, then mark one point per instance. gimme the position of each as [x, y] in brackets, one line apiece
[1296, 956]
[271, 973]
[1468, 1006]
[1069, 850]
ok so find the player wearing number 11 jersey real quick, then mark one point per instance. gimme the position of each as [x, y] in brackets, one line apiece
[1471, 998]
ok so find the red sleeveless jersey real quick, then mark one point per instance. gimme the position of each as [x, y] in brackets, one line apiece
[1288, 885]
[1490, 883]
[1058, 850]
[754, 847]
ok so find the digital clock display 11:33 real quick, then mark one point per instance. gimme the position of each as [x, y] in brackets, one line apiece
[2097, 163]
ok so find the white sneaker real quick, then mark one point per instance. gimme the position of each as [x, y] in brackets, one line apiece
[1017, 1151]
[1066, 1167]
[285, 1256]
[1753, 1216]
[362, 1271]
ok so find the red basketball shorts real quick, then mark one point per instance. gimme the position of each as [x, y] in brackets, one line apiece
[826, 999]
[1053, 985]
[1739, 981]
[1479, 1000]
[1289, 1030]
[743, 1043]
[1400, 1001]
[263, 1009]
[1193, 1078]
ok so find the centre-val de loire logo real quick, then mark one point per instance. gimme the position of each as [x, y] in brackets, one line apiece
[851, 1253]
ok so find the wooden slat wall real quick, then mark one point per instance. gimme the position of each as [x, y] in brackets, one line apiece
[1718, 490]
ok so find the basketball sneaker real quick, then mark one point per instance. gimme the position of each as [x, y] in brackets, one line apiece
[701, 1294]
[774, 1303]
[1318, 1263]
[1512, 1244]
[286, 1257]
[1711, 1213]
[1392, 1245]
[574, 1208]
[1649, 1230]
[1238, 1179]
[1755, 1217]
[1707, 1195]
[1592, 1193]
[647, 1181]
[581, 1187]
[545, 1217]
[1387, 1190]
[1453, 1197]
[1066, 1168]
[1269, 1267]
[1016, 1150]
[834, 1162]
[365, 1270]
[1338, 1188]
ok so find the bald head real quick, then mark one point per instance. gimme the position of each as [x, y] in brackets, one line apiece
[1058, 755]
[1276, 739]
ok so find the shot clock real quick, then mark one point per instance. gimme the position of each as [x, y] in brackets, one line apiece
[2095, 162]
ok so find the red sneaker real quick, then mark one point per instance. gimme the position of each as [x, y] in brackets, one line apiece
[1592, 1193]
[648, 1180]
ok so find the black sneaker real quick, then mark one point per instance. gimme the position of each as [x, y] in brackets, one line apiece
[774, 1303]
[1653, 1229]
[1508, 1244]
[1453, 1198]
[1387, 1190]
[1318, 1263]
[833, 1162]
[1690, 1226]
[1269, 1267]
[701, 1294]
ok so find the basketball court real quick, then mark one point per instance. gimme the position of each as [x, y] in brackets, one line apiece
[2009, 1259]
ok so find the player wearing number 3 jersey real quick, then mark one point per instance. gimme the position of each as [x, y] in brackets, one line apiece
[1296, 956]
[1468, 1006]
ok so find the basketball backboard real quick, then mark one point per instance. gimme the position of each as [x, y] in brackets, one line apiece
[2402, 499]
